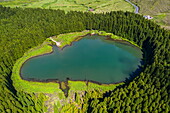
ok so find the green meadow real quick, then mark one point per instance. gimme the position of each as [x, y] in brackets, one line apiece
[74, 5]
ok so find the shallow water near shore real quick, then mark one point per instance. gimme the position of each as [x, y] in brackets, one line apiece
[92, 58]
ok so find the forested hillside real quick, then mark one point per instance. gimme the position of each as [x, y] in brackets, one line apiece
[22, 29]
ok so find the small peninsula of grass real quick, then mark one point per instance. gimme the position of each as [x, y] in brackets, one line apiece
[54, 86]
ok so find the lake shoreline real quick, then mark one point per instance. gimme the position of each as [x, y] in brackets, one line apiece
[67, 79]
[125, 42]
[108, 37]
[45, 49]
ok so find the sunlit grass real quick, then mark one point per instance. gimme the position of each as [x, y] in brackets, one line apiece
[75, 5]
[30, 86]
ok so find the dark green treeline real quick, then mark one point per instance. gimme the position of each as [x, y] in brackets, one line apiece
[22, 29]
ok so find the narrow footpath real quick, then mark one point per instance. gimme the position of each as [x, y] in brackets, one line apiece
[57, 43]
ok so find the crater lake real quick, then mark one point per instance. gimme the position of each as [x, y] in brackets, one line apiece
[93, 58]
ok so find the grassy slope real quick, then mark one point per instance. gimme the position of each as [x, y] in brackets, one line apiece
[159, 9]
[67, 5]
[67, 39]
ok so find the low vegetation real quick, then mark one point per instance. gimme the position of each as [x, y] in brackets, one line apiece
[72, 5]
[67, 39]
[84, 86]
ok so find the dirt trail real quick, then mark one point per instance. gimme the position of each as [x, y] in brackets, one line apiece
[57, 43]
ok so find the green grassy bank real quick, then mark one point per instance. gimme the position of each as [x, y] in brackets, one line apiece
[67, 39]
[31, 86]
[82, 86]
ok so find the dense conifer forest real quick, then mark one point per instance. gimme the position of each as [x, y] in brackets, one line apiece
[22, 29]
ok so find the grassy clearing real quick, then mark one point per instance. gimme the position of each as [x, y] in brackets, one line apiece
[162, 19]
[17, 3]
[67, 39]
[159, 18]
[77, 85]
[103, 87]
[74, 5]
[113, 5]
[81, 86]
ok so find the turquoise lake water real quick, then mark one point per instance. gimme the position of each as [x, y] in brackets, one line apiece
[92, 58]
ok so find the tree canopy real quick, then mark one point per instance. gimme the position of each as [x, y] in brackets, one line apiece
[22, 29]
